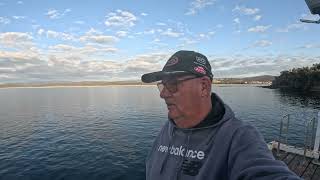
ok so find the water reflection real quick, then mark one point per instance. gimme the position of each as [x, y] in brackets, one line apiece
[302, 100]
[106, 132]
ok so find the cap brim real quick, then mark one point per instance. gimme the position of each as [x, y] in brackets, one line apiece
[159, 75]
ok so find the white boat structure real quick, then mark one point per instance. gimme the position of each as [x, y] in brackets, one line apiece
[314, 7]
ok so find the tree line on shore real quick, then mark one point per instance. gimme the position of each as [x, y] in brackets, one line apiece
[301, 79]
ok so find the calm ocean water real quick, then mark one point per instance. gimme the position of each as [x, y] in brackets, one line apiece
[106, 132]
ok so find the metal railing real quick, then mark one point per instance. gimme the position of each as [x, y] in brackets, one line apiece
[312, 134]
[284, 131]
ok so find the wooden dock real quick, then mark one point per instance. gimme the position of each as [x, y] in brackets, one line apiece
[299, 164]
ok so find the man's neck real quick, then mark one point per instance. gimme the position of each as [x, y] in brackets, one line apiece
[195, 118]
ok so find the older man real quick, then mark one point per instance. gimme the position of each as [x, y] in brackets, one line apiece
[202, 138]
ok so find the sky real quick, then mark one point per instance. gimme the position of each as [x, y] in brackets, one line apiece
[77, 40]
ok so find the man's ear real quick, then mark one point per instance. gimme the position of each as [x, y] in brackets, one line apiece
[205, 86]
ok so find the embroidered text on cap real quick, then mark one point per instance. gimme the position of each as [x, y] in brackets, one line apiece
[172, 61]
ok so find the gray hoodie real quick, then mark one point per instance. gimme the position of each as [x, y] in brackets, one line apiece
[227, 149]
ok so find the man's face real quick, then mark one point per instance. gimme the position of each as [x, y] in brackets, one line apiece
[182, 101]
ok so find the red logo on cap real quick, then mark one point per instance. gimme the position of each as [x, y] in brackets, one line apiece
[172, 61]
[200, 70]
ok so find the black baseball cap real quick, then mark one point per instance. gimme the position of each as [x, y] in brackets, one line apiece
[180, 63]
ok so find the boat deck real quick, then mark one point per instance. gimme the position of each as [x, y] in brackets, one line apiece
[301, 165]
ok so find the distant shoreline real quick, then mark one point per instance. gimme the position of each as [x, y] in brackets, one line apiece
[71, 86]
[315, 89]
[77, 86]
[257, 80]
[74, 86]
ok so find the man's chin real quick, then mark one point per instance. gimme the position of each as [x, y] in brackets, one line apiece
[172, 114]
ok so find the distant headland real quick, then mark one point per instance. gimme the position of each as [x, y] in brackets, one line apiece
[305, 79]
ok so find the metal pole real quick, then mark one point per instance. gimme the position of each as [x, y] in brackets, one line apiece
[278, 149]
[306, 139]
[317, 138]
[287, 131]
[313, 133]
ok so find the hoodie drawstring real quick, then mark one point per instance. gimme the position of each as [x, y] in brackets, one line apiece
[184, 155]
[167, 154]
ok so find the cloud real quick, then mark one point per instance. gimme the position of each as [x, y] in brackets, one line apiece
[259, 29]
[294, 26]
[211, 33]
[102, 69]
[257, 17]
[100, 39]
[59, 35]
[55, 14]
[156, 40]
[145, 63]
[157, 45]
[197, 5]
[144, 14]
[120, 19]
[219, 26]
[16, 40]
[169, 32]
[236, 20]
[151, 31]
[22, 55]
[237, 23]
[310, 46]
[262, 43]
[244, 66]
[202, 35]
[35, 26]
[62, 47]
[14, 64]
[20, 2]
[64, 62]
[81, 51]
[18, 17]
[122, 33]
[57, 65]
[161, 24]
[79, 22]
[40, 31]
[187, 41]
[4, 20]
[246, 11]
[93, 31]
[238, 31]
[207, 35]
[52, 14]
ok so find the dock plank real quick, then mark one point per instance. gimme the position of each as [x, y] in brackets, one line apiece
[299, 164]
[307, 175]
[280, 156]
[316, 175]
[289, 158]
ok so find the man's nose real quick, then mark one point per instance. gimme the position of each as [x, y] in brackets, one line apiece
[165, 93]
